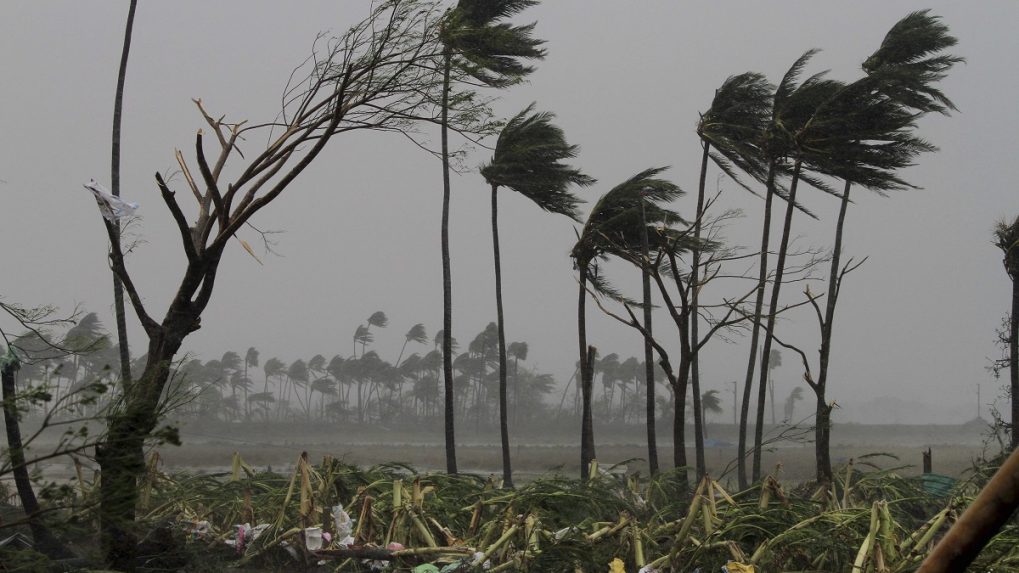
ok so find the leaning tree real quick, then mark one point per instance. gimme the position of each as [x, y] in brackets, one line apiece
[479, 48]
[616, 224]
[528, 158]
[379, 75]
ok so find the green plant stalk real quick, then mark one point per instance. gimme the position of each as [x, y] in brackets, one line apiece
[923, 535]
[887, 532]
[423, 530]
[498, 543]
[770, 542]
[868, 541]
[638, 545]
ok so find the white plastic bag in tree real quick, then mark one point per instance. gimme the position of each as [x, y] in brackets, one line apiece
[111, 207]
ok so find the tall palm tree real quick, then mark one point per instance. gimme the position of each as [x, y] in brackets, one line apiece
[478, 44]
[529, 159]
[793, 101]
[863, 134]
[614, 224]
[904, 69]
[118, 106]
[1006, 238]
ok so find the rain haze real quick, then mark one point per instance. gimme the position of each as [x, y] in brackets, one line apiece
[359, 230]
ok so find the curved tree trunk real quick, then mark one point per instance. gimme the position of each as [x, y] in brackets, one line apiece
[587, 454]
[507, 472]
[698, 416]
[118, 105]
[447, 281]
[776, 287]
[44, 539]
[748, 383]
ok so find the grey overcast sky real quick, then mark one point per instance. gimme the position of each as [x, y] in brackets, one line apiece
[361, 227]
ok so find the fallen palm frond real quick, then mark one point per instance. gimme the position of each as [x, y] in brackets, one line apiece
[871, 520]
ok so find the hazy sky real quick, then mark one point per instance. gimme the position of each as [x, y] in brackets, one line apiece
[361, 227]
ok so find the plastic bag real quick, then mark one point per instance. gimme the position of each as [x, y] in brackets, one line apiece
[112, 208]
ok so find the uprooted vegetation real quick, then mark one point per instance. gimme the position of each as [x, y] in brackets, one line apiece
[335, 516]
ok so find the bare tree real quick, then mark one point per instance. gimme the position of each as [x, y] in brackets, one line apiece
[379, 75]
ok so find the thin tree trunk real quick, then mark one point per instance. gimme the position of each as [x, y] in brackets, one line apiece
[447, 281]
[755, 333]
[587, 453]
[118, 105]
[649, 364]
[823, 435]
[1014, 361]
[44, 539]
[698, 416]
[776, 287]
[507, 472]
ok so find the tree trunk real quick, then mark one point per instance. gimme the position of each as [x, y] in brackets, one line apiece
[824, 469]
[1014, 361]
[762, 281]
[44, 539]
[649, 360]
[118, 288]
[776, 287]
[679, 423]
[447, 281]
[587, 454]
[698, 416]
[822, 439]
[121, 455]
[507, 472]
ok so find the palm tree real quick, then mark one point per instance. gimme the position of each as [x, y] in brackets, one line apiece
[517, 351]
[415, 334]
[250, 360]
[613, 225]
[528, 159]
[790, 403]
[1006, 238]
[273, 367]
[728, 131]
[118, 106]
[478, 44]
[904, 69]
[710, 402]
[863, 133]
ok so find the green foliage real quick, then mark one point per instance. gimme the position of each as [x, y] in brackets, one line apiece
[528, 159]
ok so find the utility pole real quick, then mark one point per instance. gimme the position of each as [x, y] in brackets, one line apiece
[735, 404]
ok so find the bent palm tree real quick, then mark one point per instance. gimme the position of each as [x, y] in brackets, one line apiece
[480, 46]
[728, 131]
[902, 72]
[614, 224]
[528, 159]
